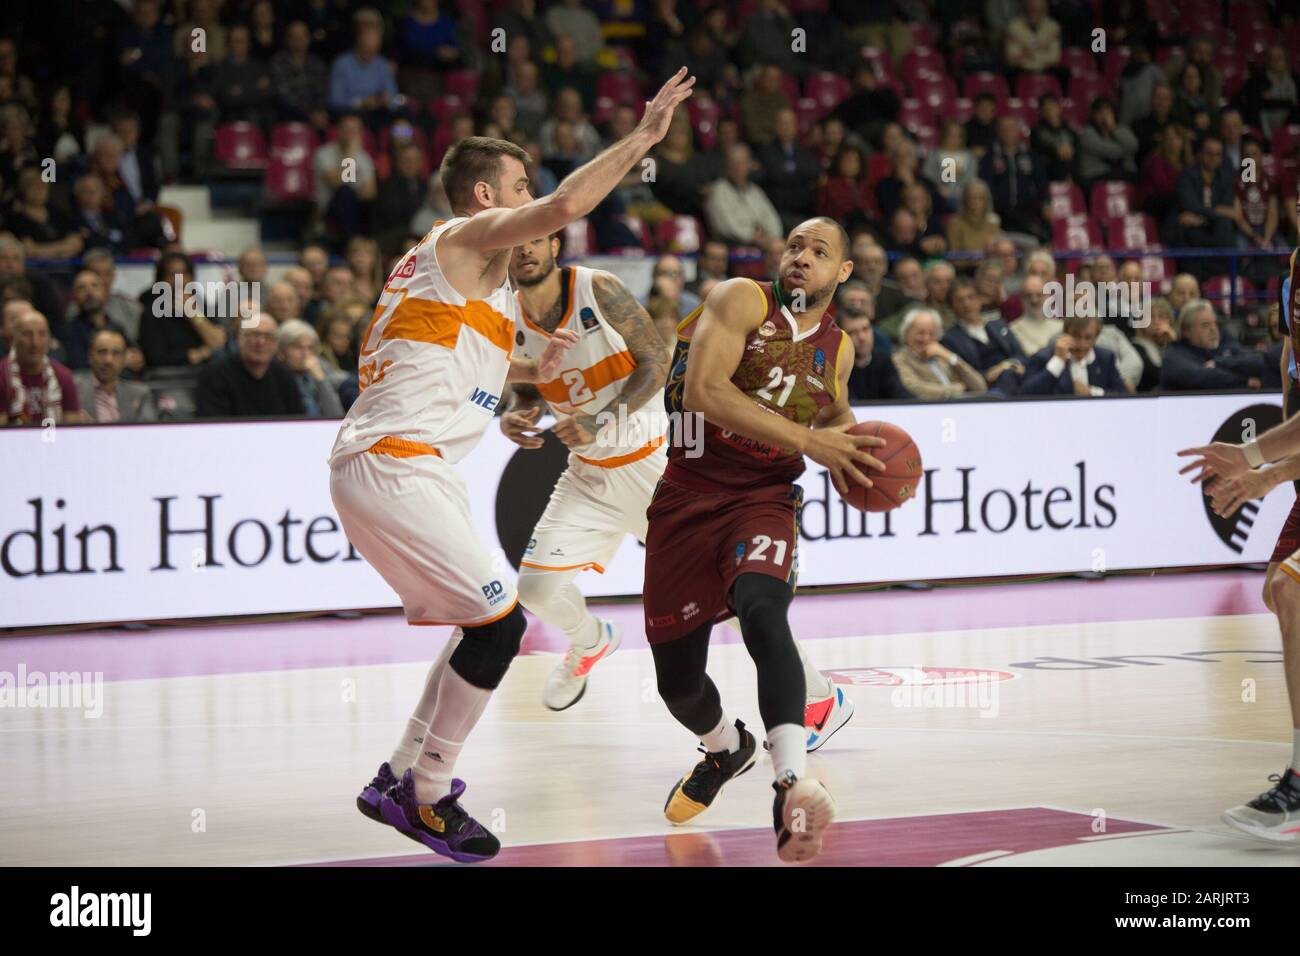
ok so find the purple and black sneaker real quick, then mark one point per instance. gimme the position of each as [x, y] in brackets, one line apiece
[368, 801]
[444, 827]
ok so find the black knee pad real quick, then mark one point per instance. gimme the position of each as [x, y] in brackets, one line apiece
[484, 654]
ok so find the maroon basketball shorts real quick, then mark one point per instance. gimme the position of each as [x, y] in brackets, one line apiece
[698, 543]
[1288, 542]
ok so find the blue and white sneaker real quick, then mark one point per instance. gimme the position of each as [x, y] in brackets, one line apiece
[824, 716]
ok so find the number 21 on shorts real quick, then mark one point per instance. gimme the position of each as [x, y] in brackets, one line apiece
[761, 545]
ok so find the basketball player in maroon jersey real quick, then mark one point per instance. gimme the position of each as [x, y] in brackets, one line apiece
[768, 373]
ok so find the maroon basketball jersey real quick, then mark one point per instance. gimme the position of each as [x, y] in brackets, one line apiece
[783, 371]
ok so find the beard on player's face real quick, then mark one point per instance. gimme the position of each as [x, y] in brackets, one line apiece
[537, 275]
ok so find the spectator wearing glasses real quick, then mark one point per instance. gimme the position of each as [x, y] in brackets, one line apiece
[251, 381]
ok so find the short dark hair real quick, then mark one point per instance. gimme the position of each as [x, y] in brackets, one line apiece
[474, 160]
[109, 330]
[846, 245]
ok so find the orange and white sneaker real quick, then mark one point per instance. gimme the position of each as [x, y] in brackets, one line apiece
[568, 682]
[825, 715]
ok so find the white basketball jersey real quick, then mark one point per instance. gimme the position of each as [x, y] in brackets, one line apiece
[592, 376]
[431, 365]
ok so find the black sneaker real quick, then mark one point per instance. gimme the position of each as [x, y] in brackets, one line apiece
[695, 792]
[1274, 815]
[368, 800]
[801, 812]
[444, 826]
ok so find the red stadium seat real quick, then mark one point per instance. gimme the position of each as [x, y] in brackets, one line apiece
[1159, 272]
[828, 90]
[1066, 200]
[1030, 86]
[913, 111]
[293, 139]
[1285, 139]
[579, 239]
[1197, 16]
[921, 61]
[962, 109]
[1234, 77]
[1252, 42]
[462, 83]
[1112, 198]
[807, 111]
[288, 181]
[1132, 231]
[239, 146]
[790, 87]
[1025, 112]
[1113, 64]
[1085, 89]
[704, 114]
[1166, 53]
[922, 34]
[368, 141]
[1075, 113]
[1076, 234]
[994, 83]
[1219, 291]
[619, 87]
[680, 234]
[880, 60]
[444, 107]
[937, 93]
[1079, 61]
[1244, 14]
[747, 262]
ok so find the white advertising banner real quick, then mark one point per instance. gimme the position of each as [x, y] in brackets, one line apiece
[122, 523]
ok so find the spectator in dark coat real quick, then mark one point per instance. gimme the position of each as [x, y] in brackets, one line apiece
[250, 382]
[1203, 359]
[789, 172]
[1017, 180]
[1204, 212]
[1073, 365]
[986, 345]
[874, 375]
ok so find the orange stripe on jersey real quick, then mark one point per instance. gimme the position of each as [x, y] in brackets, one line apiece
[439, 323]
[608, 370]
[645, 451]
[402, 448]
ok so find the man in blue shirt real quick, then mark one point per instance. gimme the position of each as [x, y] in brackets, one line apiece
[363, 80]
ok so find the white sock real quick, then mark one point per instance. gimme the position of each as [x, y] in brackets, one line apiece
[553, 597]
[725, 736]
[789, 749]
[460, 704]
[819, 685]
[1295, 749]
[408, 748]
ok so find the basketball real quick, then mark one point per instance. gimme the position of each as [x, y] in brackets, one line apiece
[898, 482]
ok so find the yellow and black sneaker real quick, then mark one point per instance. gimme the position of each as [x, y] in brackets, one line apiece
[695, 792]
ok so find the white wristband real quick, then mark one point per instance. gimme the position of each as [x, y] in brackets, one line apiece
[1254, 457]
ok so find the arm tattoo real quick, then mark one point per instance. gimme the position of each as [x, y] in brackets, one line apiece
[643, 340]
[524, 396]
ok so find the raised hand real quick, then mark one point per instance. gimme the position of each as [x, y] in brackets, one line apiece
[659, 111]
[553, 357]
[1219, 460]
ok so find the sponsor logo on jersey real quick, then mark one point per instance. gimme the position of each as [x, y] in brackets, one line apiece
[763, 451]
[819, 362]
[484, 399]
[519, 337]
[814, 382]
[532, 543]
[740, 552]
[667, 620]
[407, 269]
[690, 610]
[494, 591]
[588, 317]
[755, 346]
[767, 328]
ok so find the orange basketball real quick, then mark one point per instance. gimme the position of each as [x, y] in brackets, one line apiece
[901, 477]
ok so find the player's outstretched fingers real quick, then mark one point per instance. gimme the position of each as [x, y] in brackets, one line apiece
[858, 476]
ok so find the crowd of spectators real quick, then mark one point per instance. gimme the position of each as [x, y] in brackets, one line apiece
[895, 118]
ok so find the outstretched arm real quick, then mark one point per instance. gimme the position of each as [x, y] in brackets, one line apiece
[1225, 460]
[581, 191]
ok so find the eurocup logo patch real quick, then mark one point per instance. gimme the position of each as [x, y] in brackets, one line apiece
[819, 362]
[740, 553]
[767, 328]
[1235, 531]
[588, 318]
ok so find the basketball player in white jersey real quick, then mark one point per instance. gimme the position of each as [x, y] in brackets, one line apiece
[432, 366]
[615, 376]
[608, 401]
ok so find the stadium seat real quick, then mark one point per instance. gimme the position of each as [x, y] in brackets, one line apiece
[1113, 64]
[807, 111]
[993, 83]
[828, 90]
[1160, 272]
[1244, 15]
[1085, 89]
[1112, 198]
[1252, 42]
[1030, 86]
[619, 87]
[1079, 61]
[963, 108]
[914, 111]
[704, 114]
[239, 146]
[1285, 139]
[579, 239]
[1075, 234]
[1066, 200]
[288, 181]
[1075, 113]
[368, 141]
[938, 93]
[1025, 112]
[680, 234]
[1166, 53]
[790, 87]
[922, 34]
[1219, 291]
[921, 61]
[1132, 231]
[444, 107]
[1197, 16]
[293, 139]
[462, 83]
